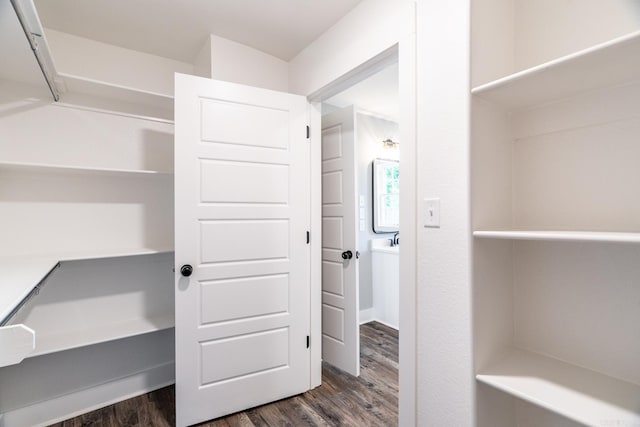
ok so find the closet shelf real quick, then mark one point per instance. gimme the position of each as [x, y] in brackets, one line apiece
[608, 64]
[19, 275]
[579, 394]
[568, 236]
[82, 85]
[51, 168]
[98, 330]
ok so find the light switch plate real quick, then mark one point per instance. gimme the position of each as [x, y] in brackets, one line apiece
[362, 225]
[361, 200]
[431, 213]
[362, 213]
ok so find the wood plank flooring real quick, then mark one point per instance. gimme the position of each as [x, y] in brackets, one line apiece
[341, 400]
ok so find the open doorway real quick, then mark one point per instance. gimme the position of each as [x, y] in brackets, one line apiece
[360, 214]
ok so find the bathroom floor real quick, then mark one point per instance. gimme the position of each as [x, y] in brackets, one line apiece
[341, 400]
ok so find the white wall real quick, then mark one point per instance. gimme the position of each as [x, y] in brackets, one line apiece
[90, 59]
[368, 30]
[202, 64]
[219, 58]
[507, 36]
[235, 62]
[370, 131]
[591, 22]
[445, 374]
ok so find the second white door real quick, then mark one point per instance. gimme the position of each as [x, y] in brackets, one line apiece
[340, 294]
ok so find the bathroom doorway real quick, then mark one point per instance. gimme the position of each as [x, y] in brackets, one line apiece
[361, 170]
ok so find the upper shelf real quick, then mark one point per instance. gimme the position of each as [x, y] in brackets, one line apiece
[19, 275]
[579, 394]
[608, 64]
[18, 166]
[162, 104]
[567, 236]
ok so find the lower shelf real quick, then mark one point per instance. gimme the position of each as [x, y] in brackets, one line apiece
[576, 393]
[90, 300]
[20, 274]
[70, 339]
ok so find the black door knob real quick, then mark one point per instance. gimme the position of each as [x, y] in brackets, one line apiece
[186, 270]
[347, 255]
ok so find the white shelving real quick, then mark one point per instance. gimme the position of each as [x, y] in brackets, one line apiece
[128, 297]
[86, 274]
[82, 85]
[567, 236]
[607, 64]
[98, 330]
[53, 168]
[579, 394]
[20, 274]
[555, 213]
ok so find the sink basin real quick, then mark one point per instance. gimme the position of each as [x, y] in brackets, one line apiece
[384, 245]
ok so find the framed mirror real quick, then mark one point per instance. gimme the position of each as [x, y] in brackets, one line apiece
[386, 195]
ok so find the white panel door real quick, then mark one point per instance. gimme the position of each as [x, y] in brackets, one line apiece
[340, 294]
[242, 215]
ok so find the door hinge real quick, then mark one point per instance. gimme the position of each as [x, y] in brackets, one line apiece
[308, 132]
[308, 237]
[308, 341]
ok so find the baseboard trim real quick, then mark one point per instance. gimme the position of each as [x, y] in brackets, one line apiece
[366, 315]
[387, 324]
[83, 401]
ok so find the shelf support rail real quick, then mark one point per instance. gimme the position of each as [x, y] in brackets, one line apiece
[32, 28]
[35, 291]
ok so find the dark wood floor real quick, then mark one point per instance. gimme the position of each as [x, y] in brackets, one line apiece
[341, 400]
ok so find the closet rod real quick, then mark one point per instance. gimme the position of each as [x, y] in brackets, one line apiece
[36, 39]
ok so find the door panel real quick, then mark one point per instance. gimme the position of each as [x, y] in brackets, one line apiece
[273, 354]
[269, 296]
[253, 182]
[332, 233]
[340, 296]
[225, 241]
[242, 213]
[227, 123]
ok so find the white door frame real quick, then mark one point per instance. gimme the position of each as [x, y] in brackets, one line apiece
[404, 52]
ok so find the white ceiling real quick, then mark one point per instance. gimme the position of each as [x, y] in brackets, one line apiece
[178, 28]
[376, 94]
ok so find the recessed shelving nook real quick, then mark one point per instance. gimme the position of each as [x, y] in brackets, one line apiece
[556, 212]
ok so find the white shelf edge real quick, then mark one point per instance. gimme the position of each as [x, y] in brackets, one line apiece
[162, 105]
[110, 331]
[83, 169]
[114, 86]
[568, 236]
[524, 74]
[112, 253]
[579, 394]
[610, 64]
